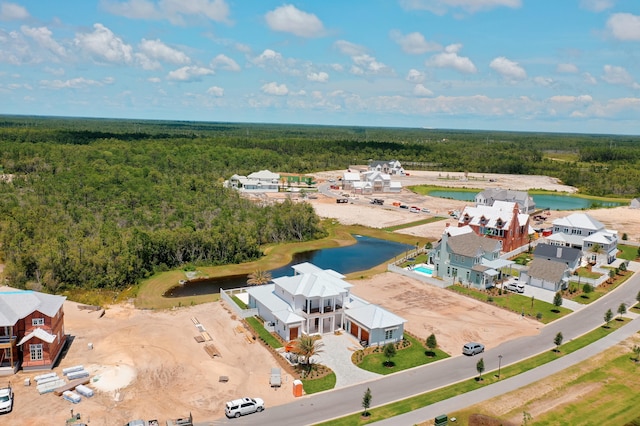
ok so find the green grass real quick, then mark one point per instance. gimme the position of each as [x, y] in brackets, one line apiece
[523, 258]
[318, 385]
[416, 223]
[598, 292]
[264, 334]
[239, 302]
[409, 357]
[419, 401]
[586, 273]
[516, 303]
[627, 252]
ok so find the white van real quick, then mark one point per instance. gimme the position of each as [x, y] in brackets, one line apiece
[515, 286]
[240, 407]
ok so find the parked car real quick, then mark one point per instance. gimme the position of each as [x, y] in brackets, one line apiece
[342, 200]
[240, 407]
[472, 348]
[515, 286]
[404, 206]
[6, 399]
[414, 209]
[425, 210]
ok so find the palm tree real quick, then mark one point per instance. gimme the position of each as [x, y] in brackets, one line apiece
[259, 277]
[307, 346]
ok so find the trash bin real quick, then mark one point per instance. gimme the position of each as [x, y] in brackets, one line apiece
[297, 388]
[441, 420]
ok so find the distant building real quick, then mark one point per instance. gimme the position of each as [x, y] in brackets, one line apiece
[581, 231]
[262, 181]
[491, 195]
[501, 221]
[31, 329]
[635, 203]
[392, 167]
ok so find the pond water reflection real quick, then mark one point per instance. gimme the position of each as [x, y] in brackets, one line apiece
[543, 201]
[365, 254]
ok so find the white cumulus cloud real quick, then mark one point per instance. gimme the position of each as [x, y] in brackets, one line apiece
[567, 68]
[619, 75]
[156, 49]
[42, 36]
[597, 5]
[414, 43]
[414, 76]
[274, 88]
[74, 83]
[450, 59]
[348, 48]
[508, 69]
[290, 19]
[583, 99]
[624, 26]
[12, 12]
[189, 73]
[440, 7]
[224, 62]
[215, 91]
[321, 76]
[103, 45]
[420, 90]
[543, 81]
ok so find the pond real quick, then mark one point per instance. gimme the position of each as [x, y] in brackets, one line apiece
[366, 253]
[543, 201]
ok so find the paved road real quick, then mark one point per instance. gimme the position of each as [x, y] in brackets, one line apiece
[337, 403]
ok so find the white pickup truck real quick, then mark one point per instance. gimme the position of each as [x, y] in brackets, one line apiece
[514, 285]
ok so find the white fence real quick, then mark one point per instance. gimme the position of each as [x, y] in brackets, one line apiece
[226, 296]
[427, 280]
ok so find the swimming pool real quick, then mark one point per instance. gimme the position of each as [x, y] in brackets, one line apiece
[423, 269]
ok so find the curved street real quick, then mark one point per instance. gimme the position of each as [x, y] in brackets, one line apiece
[324, 406]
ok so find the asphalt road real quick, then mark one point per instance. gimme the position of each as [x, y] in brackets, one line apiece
[321, 407]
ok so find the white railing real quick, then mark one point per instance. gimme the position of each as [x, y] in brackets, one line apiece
[226, 296]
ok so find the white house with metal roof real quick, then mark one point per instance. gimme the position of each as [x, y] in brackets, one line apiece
[581, 231]
[318, 301]
[262, 181]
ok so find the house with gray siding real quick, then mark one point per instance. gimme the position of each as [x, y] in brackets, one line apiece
[546, 274]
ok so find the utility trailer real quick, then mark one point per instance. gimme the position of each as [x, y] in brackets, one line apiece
[185, 421]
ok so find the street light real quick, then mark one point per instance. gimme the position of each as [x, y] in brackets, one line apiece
[499, 363]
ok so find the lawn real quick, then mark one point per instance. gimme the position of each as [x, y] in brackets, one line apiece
[514, 302]
[419, 401]
[408, 357]
[263, 333]
[318, 385]
[416, 223]
[627, 252]
[577, 294]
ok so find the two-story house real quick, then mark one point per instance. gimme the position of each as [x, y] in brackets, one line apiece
[501, 221]
[392, 167]
[581, 231]
[463, 256]
[381, 182]
[490, 195]
[569, 256]
[31, 329]
[262, 181]
[318, 301]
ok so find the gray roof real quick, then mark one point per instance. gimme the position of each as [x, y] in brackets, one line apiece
[17, 304]
[547, 270]
[374, 317]
[553, 252]
[472, 245]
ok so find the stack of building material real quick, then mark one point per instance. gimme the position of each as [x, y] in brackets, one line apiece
[71, 385]
[71, 396]
[76, 372]
[84, 390]
[48, 382]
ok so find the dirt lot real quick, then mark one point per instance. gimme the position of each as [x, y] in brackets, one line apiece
[148, 364]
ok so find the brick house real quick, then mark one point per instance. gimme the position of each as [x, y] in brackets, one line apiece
[31, 329]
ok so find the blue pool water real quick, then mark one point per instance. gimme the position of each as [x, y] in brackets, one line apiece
[423, 269]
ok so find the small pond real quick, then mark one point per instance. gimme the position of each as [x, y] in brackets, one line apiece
[365, 254]
[543, 201]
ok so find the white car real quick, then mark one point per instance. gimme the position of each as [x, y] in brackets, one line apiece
[6, 400]
[240, 407]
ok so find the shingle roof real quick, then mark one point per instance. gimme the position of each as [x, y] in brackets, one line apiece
[472, 245]
[18, 304]
[568, 254]
[547, 270]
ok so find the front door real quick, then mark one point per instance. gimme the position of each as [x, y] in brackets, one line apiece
[293, 333]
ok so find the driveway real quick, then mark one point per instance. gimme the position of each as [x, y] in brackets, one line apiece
[336, 354]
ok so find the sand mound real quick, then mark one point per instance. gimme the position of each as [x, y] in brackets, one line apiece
[111, 378]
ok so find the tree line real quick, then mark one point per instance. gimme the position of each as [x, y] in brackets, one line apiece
[103, 203]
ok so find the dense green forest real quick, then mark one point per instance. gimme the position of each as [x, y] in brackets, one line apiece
[103, 203]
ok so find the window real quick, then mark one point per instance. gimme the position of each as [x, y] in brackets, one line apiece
[36, 352]
[388, 334]
[37, 321]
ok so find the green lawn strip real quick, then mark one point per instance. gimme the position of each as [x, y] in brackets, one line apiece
[264, 334]
[627, 252]
[416, 223]
[409, 357]
[318, 385]
[150, 291]
[598, 292]
[586, 273]
[427, 189]
[516, 303]
[489, 377]
[522, 259]
[239, 302]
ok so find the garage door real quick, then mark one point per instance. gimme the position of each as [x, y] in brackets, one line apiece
[365, 335]
[293, 333]
[354, 329]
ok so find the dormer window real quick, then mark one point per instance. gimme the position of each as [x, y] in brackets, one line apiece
[499, 223]
[483, 220]
[466, 217]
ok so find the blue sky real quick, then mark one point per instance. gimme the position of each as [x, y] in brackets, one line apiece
[522, 65]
